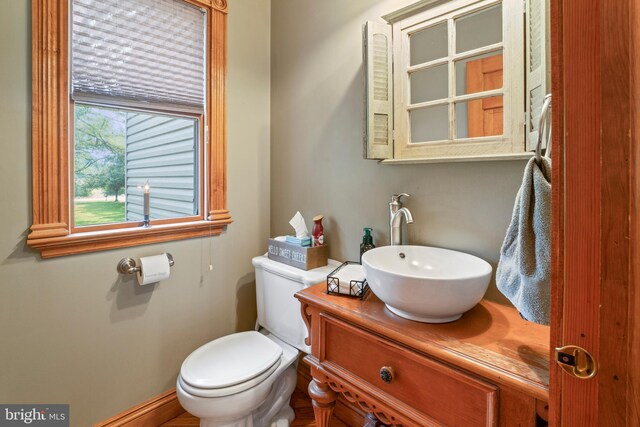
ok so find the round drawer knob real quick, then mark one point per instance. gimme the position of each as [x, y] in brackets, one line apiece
[386, 374]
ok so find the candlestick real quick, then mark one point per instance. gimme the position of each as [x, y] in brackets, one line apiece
[147, 195]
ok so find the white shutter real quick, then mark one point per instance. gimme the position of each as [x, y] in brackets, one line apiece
[538, 81]
[138, 53]
[379, 91]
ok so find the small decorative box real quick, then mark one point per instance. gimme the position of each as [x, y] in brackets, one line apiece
[303, 258]
[348, 279]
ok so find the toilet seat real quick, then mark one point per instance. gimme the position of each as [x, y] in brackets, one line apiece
[229, 365]
[227, 391]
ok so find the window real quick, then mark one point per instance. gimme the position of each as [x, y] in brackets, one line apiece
[128, 123]
[120, 154]
[446, 81]
[138, 96]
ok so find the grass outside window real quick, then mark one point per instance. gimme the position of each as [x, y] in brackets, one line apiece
[98, 212]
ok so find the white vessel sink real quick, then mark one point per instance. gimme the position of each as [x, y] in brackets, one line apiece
[426, 284]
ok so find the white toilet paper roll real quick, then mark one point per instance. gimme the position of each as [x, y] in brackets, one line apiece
[153, 269]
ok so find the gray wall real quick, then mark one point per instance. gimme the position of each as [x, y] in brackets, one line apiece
[72, 330]
[316, 153]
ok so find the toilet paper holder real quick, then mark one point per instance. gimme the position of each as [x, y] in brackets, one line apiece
[128, 265]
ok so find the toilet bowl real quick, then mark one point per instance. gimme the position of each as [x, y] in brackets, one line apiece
[225, 381]
[246, 379]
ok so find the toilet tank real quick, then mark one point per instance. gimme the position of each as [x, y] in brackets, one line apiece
[278, 309]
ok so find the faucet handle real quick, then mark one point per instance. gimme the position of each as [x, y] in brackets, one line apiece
[396, 197]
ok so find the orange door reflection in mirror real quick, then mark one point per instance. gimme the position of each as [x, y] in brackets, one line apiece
[485, 115]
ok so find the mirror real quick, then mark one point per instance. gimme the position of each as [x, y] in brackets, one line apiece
[473, 74]
[429, 124]
[479, 29]
[428, 44]
[429, 84]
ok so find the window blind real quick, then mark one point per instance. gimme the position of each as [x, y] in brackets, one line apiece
[139, 52]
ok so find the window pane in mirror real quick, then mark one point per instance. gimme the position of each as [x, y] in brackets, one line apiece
[428, 44]
[479, 29]
[429, 84]
[429, 124]
[479, 73]
[480, 117]
[117, 152]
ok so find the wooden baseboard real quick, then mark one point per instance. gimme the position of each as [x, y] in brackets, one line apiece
[151, 413]
[345, 411]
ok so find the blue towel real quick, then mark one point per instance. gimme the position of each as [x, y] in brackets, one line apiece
[524, 270]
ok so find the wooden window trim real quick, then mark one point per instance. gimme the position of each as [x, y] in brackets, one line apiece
[51, 231]
[513, 139]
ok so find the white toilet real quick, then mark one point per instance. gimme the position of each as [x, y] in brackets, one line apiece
[246, 379]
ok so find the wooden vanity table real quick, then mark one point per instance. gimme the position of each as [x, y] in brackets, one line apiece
[489, 368]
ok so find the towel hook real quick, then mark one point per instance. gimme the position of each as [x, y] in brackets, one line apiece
[542, 124]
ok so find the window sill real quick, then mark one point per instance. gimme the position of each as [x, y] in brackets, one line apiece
[51, 242]
[457, 159]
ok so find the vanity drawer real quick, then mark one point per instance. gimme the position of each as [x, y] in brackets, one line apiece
[450, 397]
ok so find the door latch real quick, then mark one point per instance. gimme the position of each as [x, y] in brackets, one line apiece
[576, 361]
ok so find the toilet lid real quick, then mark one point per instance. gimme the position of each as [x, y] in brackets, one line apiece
[230, 360]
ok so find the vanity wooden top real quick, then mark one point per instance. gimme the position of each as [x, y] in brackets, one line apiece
[491, 340]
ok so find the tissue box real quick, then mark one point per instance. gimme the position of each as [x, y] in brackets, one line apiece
[297, 256]
[305, 242]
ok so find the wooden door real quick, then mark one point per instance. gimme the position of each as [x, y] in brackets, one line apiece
[596, 193]
[484, 115]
